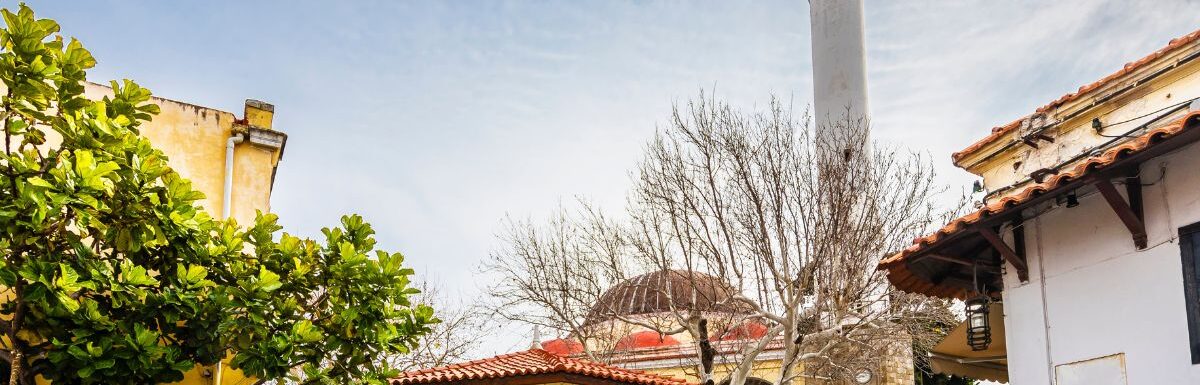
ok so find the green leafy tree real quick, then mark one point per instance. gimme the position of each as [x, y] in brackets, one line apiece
[112, 273]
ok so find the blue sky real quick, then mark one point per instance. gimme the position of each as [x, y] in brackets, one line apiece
[436, 119]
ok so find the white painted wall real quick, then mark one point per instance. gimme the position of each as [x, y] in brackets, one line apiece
[1100, 296]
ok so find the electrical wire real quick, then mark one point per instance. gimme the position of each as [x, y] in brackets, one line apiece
[1101, 127]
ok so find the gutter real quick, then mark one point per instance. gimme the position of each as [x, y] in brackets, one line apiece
[227, 197]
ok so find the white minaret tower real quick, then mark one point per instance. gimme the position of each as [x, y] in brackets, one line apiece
[839, 59]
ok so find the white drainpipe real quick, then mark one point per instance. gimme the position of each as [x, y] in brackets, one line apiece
[226, 206]
[226, 200]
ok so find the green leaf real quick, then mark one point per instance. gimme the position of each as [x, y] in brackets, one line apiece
[85, 372]
[306, 331]
[70, 303]
[192, 274]
[39, 182]
[68, 279]
[267, 280]
[136, 275]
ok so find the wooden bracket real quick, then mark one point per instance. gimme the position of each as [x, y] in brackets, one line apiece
[1019, 247]
[1130, 213]
[951, 259]
[1009, 255]
[1031, 140]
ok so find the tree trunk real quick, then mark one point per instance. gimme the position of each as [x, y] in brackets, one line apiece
[707, 353]
[18, 365]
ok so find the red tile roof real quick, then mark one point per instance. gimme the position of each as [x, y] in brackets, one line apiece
[530, 362]
[903, 279]
[1000, 131]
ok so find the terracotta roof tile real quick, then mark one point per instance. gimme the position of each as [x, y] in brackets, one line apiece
[903, 279]
[530, 362]
[998, 132]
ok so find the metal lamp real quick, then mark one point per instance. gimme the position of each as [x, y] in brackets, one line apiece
[979, 331]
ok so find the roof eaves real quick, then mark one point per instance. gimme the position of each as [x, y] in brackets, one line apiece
[895, 265]
[1129, 68]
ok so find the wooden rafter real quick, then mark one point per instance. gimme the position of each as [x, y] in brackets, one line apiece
[1128, 214]
[951, 259]
[1019, 247]
[1007, 252]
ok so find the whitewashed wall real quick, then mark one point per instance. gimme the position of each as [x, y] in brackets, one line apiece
[1101, 296]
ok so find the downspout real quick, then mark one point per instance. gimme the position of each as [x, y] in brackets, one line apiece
[1037, 223]
[226, 207]
[226, 199]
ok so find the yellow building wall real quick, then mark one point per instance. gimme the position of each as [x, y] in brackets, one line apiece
[767, 370]
[194, 139]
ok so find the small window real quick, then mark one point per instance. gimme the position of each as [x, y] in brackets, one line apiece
[1189, 245]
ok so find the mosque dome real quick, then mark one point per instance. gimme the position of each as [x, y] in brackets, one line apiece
[645, 339]
[562, 346]
[663, 291]
[749, 330]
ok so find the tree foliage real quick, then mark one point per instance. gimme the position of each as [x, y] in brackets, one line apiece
[113, 274]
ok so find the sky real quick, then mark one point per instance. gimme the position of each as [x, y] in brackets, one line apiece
[435, 120]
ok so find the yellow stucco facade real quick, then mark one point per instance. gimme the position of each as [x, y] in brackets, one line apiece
[194, 138]
[767, 369]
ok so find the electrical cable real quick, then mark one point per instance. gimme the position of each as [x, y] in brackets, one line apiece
[1100, 127]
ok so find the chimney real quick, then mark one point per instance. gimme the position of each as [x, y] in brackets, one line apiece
[839, 61]
[257, 118]
[259, 114]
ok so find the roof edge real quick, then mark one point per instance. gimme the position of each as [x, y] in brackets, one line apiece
[1129, 68]
[896, 266]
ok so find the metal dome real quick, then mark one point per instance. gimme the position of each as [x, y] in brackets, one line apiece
[664, 291]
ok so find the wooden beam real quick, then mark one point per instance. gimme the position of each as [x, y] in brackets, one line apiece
[1133, 190]
[951, 259]
[1124, 211]
[1019, 246]
[964, 261]
[1006, 252]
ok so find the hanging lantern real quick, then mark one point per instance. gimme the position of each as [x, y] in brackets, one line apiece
[979, 331]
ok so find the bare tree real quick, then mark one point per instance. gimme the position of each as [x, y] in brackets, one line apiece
[450, 341]
[552, 275]
[793, 217]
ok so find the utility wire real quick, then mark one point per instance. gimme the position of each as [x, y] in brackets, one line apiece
[1100, 127]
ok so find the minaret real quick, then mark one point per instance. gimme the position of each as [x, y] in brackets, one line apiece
[537, 338]
[839, 62]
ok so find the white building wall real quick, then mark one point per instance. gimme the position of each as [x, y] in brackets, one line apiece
[1102, 296]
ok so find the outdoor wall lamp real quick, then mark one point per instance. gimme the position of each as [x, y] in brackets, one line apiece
[979, 331]
[1072, 199]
